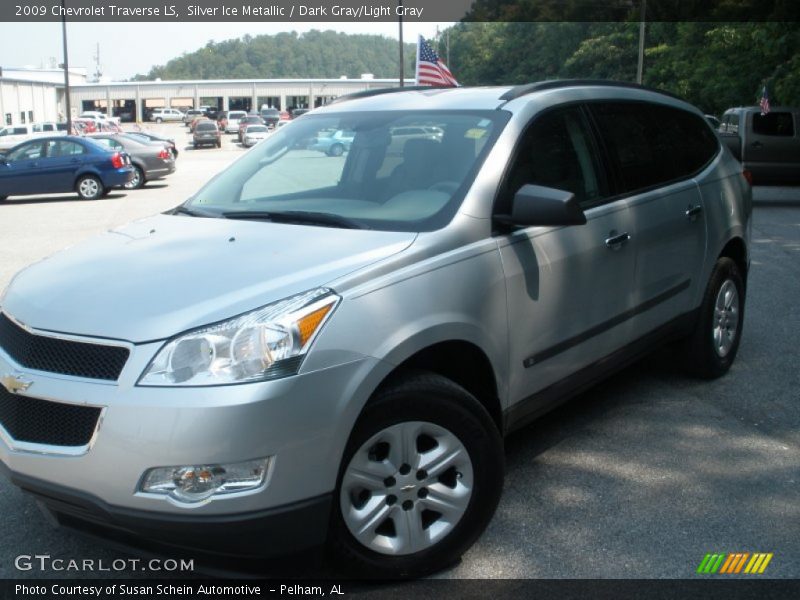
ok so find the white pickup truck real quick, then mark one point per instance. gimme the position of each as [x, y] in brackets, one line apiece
[99, 117]
[14, 134]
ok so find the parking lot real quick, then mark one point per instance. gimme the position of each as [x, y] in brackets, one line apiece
[637, 478]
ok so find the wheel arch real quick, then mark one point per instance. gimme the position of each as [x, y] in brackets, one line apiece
[736, 250]
[461, 361]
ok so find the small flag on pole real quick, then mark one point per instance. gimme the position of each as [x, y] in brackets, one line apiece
[764, 104]
[430, 68]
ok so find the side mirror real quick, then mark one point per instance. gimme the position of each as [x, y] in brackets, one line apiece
[543, 206]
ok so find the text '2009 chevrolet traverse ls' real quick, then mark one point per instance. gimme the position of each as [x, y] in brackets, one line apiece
[329, 349]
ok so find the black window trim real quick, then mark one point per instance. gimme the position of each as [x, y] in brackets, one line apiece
[612, 166]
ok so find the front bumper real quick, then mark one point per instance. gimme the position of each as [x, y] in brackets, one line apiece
[278, 531]
[302, 422]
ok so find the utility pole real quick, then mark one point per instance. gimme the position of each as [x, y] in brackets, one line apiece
[66, 67]
[640, 67]
[402, 57]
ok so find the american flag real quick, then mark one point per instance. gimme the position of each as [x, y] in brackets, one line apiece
[764, 104]
[430, 68]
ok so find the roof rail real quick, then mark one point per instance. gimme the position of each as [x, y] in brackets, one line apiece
[552, 84]
[380, 92]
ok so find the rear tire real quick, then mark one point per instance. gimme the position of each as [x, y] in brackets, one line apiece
[712, 348]
[89, 187]
[424, 443]
[137, 181]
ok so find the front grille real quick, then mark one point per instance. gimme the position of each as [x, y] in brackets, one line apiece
[44, 422]
[55, 355]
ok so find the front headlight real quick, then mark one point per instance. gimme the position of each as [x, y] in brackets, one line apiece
[267, 343]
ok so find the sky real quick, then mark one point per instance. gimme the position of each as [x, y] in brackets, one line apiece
[130, 48]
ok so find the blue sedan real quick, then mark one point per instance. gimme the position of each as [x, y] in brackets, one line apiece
[53, 165]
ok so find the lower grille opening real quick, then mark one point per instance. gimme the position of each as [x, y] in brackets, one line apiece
[43, 422]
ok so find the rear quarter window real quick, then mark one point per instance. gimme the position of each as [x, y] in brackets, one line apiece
[774, 123]
[653, 144]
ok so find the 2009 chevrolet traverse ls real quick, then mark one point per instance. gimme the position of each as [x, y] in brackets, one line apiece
[329, 349]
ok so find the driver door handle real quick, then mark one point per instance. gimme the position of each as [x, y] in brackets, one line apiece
[615, 242]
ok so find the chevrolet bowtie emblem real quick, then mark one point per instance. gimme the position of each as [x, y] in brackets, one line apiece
[14, 383]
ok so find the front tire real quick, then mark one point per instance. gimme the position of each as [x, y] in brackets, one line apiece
[336, 150]
[419, 481]
[712, 347]
[159, 120]
[89, 187]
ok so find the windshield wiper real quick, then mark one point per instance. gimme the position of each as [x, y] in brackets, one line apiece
[297, 216]
[192, 212]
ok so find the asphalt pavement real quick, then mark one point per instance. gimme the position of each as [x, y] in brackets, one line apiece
[638, 478]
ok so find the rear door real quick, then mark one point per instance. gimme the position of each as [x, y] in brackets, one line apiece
[63, 159]
[772, 146]
[568, 287]
[655, 151]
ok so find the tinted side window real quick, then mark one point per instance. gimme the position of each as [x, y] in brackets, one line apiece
[556, 151]
[774, 123]
[652, 144]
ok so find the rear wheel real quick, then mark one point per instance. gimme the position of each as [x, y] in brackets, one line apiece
[712, 347]
[420, 479]
[89, 187]
[137, 181]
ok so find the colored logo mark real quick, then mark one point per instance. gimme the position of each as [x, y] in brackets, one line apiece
[735, 562]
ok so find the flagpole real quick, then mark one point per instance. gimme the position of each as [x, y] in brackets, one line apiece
[640, 66]
[402, 58]
[416, 64]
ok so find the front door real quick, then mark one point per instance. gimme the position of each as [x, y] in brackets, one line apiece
[568, 287]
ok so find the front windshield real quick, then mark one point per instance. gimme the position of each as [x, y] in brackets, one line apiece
[397, 171]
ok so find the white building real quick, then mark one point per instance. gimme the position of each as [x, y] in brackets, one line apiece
[28, 94]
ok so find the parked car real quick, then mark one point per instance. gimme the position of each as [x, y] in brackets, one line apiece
[148, 136]
[270, 116]
[768, 145]
[166, 114]
[400, 135]
[333, 143]
[12, 135]
[298, 112]
[99, 117]
[207, 133]
[713, 121]
[233, 120]
[303, 355]
[191, 114]
[62, 164]
[245, 121]
[150, 162]
[254, 133]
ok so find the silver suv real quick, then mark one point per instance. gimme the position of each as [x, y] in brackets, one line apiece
[329, 351]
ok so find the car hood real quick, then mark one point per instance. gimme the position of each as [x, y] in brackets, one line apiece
[162, 275]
